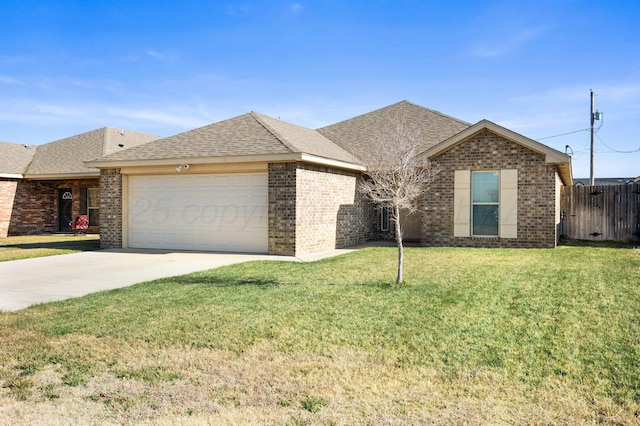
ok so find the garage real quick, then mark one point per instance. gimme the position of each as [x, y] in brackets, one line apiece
[213, 212]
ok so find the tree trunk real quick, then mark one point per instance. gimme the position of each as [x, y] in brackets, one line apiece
[400, 248]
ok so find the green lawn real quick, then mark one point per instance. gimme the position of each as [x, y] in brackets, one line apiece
[477, 336]
[29, 246]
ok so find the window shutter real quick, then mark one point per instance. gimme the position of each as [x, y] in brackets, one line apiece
[462, 203]
[509, 203]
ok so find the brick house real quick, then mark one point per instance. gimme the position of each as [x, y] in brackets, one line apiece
[257, 184]
[42, 188]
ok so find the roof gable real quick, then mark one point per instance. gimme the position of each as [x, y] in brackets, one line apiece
[552, 156]
[249, 134]
[241, 135]
[355, 134]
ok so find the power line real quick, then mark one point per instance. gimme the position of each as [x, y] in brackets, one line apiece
[584, 149]
[564, 134]
[576, 131]
[615, 150]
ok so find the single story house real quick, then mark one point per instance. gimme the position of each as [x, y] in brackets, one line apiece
[42, 188]
[258, 184]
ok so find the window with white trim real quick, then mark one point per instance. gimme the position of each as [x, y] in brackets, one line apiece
[485, 203]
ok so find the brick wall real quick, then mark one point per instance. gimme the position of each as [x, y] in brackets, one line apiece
[7, 195]
[110, 208]
[330, 211]
[282, 208]
[314, 209]
[488, 151]
[35, 204]
[358, 222]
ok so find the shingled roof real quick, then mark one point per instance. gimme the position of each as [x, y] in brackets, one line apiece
[15, 158]
[301, 139]
[67, 156]
[354, 134]
[245, 135]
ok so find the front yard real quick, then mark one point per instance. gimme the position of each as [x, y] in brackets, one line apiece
[29, 246]
[473, 337]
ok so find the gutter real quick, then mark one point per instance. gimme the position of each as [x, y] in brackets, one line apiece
[266, 158]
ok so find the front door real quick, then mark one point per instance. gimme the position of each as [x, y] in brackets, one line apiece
[64, 209]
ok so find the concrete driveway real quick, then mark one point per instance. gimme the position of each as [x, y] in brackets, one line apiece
[47, 279]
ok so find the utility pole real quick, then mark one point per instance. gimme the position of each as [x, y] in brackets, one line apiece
[592, 118]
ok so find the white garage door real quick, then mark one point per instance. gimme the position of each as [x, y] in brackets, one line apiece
[223, 212]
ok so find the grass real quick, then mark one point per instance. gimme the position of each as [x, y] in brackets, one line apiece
[473, 336]
[30, 246]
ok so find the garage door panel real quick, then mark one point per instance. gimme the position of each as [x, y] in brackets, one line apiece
[204, 240]
[187, 239]
[201, 182]
[199, 212]
[221, 181]
[240, 180]
[136, 239]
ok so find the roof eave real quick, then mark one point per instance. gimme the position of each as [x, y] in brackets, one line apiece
[12, 175]
[269, 158]
[552, 156]
[565, 172]
[59, 176]
[307, 158]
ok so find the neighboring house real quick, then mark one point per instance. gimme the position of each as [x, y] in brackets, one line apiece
[256, 184]
[42, 188]
[603, 181]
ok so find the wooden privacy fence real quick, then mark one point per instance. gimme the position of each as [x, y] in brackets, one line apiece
[601, 213]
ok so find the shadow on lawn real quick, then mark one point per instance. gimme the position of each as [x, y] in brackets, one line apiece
[221, 281]
[81, 245]
[600, 244]
[263, 282]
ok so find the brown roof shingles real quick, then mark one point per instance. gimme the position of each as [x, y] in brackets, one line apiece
[67, 156]
[301, 139]
[355, 134]
[245, 135]
[242, 135]
[15, 157]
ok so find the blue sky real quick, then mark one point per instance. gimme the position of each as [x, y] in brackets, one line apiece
[163, 67]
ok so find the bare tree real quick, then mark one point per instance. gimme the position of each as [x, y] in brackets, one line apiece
[396, 176]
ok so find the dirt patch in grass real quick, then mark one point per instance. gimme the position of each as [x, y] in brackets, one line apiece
[262, 385]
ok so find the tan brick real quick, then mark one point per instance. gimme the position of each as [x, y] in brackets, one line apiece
[314, 209]
[110, 208]
[488, 151]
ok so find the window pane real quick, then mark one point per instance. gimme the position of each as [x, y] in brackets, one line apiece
[83, 201]
[93, 197]
[384, 219]
[94, 217]
[486, 187]
[485, 220]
